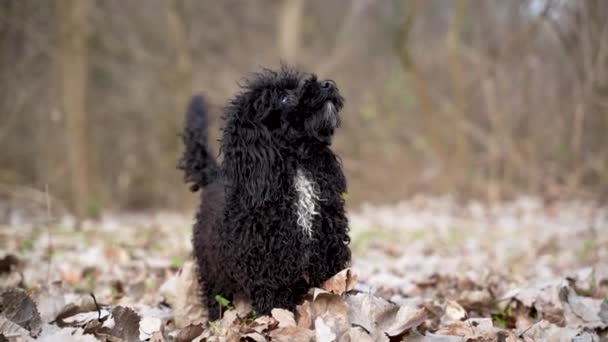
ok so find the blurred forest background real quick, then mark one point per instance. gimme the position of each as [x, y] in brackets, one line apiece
[477, 98]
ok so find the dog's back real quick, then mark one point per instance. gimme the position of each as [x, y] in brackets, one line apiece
[199, 166]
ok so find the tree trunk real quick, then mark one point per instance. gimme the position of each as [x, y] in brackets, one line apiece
[72, 62]
[290, 22]
[178, 26]
[180, 41]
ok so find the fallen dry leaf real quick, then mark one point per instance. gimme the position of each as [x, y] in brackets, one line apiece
[324, 332]
[149, 326]
[241, 305]
[12, 330]
[373, 314]
[343, 281]
[433, 254]
[68, 334]
[476, 299]
[303, 314]
[126, 324]
[545, 331]
[157, 337]
[453, 312]
[582, 311]
[406, 319]
[189, 333]
[84, 318]
[10, 271]
[71, 277]
[284, 317]
[263, 323]
[182, 293]
[8, 263]
[50, 301]
[254, 336]
[356, 334]
[17, 307]
[333, 311]
[292, 334]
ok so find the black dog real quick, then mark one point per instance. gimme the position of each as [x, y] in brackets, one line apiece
[271, 222]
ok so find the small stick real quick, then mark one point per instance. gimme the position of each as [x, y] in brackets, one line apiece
[96, 306]
[48, 231]
[520, 335]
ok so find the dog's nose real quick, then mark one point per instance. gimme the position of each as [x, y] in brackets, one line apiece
[328, 84]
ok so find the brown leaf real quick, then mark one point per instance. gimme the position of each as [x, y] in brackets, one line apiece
[126, 324]
[71, 277]
[473, 329]
[68, 334]
[11, 279]
[582, 311]
[545, 331]
[324, 331]
[343, 281]
[157, 337]
[9, 329]
[116, 254]
[476, 299]
[189, 333]
[333, 310]
[8, 263]
[406, 319]
[303, 314]
[84, 318]
[284, 317]
[50, 301]
[255, 337]
[242, 306]
[453, 312]
[371, 313]
[292, 334]
[317, 292]
[263, 324]
[229, 325]
[19, 308]
[148, 326]
[356, 334]
[10, 275]
[182, 293]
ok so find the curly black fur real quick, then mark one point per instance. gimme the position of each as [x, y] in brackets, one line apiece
[247, 238]
[198, 165]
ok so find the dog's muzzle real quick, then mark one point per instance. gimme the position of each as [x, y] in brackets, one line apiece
[330, 113]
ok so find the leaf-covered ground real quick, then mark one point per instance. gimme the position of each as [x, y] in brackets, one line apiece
[426, 269]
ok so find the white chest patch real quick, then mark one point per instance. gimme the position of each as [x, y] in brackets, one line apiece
[306, 205]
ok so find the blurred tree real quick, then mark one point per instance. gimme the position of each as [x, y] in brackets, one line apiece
[582, 30]
[72, 60]
[487, 98]
[178, 21]
[290, 24]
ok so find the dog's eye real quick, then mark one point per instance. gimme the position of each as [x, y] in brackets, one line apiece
[287, 99]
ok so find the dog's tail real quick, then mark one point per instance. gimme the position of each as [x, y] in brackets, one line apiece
[199, 166]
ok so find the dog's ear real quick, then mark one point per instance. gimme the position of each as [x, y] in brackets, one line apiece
[261, 105]
[252, 165]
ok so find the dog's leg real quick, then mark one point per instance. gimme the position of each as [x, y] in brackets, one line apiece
[210, 291]
[210, 283]
[265, 299]
[334, 255]
[338, 258]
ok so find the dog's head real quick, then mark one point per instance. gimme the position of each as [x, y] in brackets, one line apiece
[291, 105]
[276, 111]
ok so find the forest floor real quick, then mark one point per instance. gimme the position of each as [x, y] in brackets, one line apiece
[426, 269]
